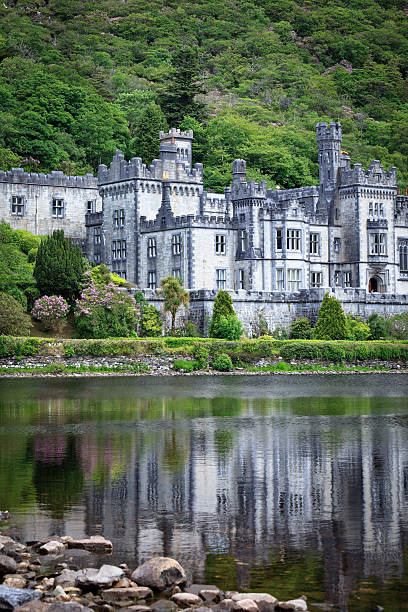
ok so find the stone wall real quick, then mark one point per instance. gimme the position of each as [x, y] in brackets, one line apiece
[281, 308]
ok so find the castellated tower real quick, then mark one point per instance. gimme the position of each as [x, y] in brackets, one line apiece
[182, 142]
[329, 151]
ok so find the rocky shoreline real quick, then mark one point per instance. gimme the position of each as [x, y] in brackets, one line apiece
[36, 577]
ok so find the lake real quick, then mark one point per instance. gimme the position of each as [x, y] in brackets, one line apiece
[286, 484]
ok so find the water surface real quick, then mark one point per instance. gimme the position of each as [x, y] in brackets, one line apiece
[289, 484]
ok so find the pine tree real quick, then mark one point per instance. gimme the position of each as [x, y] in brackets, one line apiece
[145, 142]
[222, 308]
[59, 267]
[331, 322]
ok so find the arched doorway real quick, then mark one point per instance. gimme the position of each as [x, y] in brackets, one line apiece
[373, 285]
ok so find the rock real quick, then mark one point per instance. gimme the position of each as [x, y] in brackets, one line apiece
[105, 577]
[4, 515]
[126, 594]
[37, 544]
[124, 583]
[33, 606]
[296, 605]
[12, 598]
[186, 600]
[226, 604]
[72, 606]
[246, 604]
[49, 583]
[15, 581]
[196, 588]
[97, 544]
[160, 573]
[51, 548]
[264, 601]
[66, 578]
[71, 590]
[163, 605]
[6, 539]
[140, 608]
[7, 565]
[210, 595]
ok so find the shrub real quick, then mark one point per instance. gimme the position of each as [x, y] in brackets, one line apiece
[356, 329]
[331, 322]
[300, 350]
[14, 321]
[379, 326]
[301, 329]
[280, 333]
[27, 241]
[190, 330]
[222, 308]
[201, 354]
[19, 347]
[174, 296]
[398, 326]
[151, 323]
[32, 255]
[222, 363]
[227, 328]
[51, 310]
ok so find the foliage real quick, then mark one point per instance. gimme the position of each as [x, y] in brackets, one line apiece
[185, 366]
[222, 308]
[174, 296]
[379, 326]
[301, 329]
[145, 143]
[356, 329]
[398, 326]
[59, 267]
[151, 323]
[201, 354]
[102, 276]
[331, 322]
[16, 273]
[222, 363]
[13, 319]
[280, 333]
[103, 310]
[51, 310]
[228, 328]
[190, 329]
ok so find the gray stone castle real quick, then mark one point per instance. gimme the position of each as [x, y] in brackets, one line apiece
[277, 251]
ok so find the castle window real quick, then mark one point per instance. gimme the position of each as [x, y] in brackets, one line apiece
[220, 244]
[316, 279]
[176, 244]
[280, 285]
[293, 240]
[176, 272]
[241, 279]
[115, 218]
[17, 206]
[122, 217]
[337, 277]
[294, 280]
[376, 209]
[151, 279]
[58, 208]
[370, 210]
[123, 249]
[242, 217]
[90, 206]
[377, 244]
[97, 235]
[381, 209]
[220, 278]
[279, 239]
[151, 247]
[403, 255]
[117, 249]
[337, 245]
[347, 279]
[97, 258]
[314, 244]
[243, 240]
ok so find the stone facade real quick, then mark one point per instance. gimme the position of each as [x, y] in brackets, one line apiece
[41, 203]
[349, 231]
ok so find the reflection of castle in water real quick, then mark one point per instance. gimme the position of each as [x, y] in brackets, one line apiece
[245, 485]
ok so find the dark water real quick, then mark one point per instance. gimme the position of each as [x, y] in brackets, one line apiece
[289, 484]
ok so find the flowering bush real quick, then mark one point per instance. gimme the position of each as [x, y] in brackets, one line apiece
[51, 310]
[104, 311]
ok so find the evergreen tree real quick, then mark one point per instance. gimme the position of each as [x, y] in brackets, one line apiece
[174, 297]
[222, 308]
[145, 142]
[331, 322]
[59, 267]
[178, 99]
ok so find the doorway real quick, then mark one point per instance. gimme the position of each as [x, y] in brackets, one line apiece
[373, 285]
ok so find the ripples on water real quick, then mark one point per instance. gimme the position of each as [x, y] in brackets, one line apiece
[286, 484]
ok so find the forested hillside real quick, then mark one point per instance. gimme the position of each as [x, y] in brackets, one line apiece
[79, 79]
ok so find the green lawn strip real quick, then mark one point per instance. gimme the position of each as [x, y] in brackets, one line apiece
[61, 368]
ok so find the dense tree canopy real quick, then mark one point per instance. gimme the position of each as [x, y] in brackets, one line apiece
[80, 79]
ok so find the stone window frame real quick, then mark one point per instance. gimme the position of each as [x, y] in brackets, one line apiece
[279, 238]
[403, 255]
[243, 240]
[124, 249]
[117, 250]
[90, 206]
[151, 247]
[97, 235]
[314, 243]
[220, 244]
[280, 282]
[316, 278]
[152, 279]
[377, 244]
[347, 278]
[176, 244]
[337, 244]
[57, 207]
[337, 278]
[240, 278]
[97, 258]
[293, 239]
[294, 284]
[122, 217]
[221, 279]
[176, 272]
[21, 203]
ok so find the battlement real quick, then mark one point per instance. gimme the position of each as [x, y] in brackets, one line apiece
[377, 224]
[248, 189]
[176, 133]
[169, 222]
[375, 175]
[328, 132]
[55, 178]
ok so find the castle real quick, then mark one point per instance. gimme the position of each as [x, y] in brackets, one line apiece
[266, 245]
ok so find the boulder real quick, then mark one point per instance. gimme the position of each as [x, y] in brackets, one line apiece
[264, 601]
[159, 573]
[6, 540]
[226, 604]
[13, 598]
[33, 606]
[96, 544]
[16, 581]
[60, 606]
[7, 565]
[246, 604]
[163, 605]
[91, 578]
[51, 548]
[210, 595]
[140, 608]
[295, 605]
[186, 600]
[196, 588]
[126, 594]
